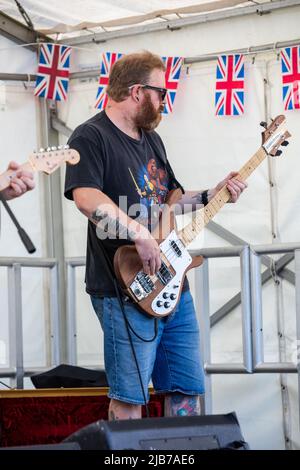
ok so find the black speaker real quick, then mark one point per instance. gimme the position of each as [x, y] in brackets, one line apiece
[61, 446]
[69, 377]
[209, 432]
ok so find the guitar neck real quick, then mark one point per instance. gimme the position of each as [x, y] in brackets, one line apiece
[203, 216]
[6, 177]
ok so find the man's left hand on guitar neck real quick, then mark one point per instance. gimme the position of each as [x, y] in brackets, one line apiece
[234, 185]
[19, 184]
[191, 199]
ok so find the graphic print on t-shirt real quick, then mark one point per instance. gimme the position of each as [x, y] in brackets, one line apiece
[151, 184]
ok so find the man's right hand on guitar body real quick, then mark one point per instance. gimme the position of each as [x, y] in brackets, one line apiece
[148, 250]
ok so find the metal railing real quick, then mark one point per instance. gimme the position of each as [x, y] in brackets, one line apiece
[252, 315]
[71, 265]
[16, 370]
[251, 308]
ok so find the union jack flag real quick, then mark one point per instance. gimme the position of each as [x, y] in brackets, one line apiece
[229, 98]
[53, 72]
[108, 60]
[173, 69]
[290, 68]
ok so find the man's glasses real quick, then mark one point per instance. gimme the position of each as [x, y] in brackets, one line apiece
[162, 91]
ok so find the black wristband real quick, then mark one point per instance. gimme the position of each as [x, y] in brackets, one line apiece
[204, 197]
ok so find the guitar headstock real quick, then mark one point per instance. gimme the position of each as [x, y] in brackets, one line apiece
[50, 159]
[275, 135]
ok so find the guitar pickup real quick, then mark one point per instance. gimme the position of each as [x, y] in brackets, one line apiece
[164, 274]
[145, 282]
[142, 286]
[176, 248]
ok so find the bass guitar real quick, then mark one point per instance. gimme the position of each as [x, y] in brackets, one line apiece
[159, 294]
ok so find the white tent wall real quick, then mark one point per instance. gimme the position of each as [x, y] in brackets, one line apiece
[18, 140]
[202, 149]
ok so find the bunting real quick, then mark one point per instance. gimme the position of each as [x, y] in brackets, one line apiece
[108, 60]
[53, 72]
[290, 68]
[229, 96]
[173, 69]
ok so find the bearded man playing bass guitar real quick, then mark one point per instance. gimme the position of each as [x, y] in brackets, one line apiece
[116, 146]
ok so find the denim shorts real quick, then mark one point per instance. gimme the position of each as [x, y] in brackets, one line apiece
[172, 361]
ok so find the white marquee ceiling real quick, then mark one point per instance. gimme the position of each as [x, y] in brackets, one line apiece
[69, 16]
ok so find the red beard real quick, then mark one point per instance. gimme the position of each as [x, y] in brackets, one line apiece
[148, 117]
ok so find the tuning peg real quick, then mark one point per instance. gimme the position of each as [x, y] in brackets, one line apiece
[48, 149]
[285, 143]
[278, 153]
[263, 124]
[53, 149]
[59, 147]
[42, 150]
[66, 147]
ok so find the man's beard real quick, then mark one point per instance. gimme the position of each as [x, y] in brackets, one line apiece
[148, 117]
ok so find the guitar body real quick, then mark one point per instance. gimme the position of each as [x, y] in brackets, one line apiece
[157, 295]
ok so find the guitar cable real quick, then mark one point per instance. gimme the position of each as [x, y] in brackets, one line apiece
[119, 295]
[22, 234]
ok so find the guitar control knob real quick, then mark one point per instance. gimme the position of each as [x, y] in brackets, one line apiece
[167, 304]
[137, 291]
[165, 295]
[173, 296]
[159, 303]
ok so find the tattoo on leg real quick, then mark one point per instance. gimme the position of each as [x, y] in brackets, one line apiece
[112, 416]
[177, 404]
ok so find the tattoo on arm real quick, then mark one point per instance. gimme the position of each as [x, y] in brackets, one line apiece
[110, 227]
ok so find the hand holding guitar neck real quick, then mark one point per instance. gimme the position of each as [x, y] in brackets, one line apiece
[45, 160]
[21, 183]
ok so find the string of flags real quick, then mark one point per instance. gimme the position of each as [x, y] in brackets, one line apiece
[229, 96]
[54, 70]
[290, 69]
[108, 60]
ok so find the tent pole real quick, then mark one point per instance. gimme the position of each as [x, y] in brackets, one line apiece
[53, 223]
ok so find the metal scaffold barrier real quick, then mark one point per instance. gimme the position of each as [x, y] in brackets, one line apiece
[252, 280]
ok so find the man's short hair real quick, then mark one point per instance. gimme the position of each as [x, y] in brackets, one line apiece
[131, 69]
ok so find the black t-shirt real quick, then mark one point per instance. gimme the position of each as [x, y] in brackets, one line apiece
[134, 174]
